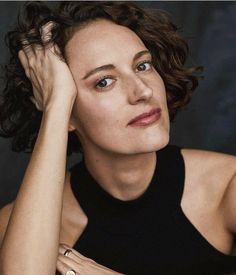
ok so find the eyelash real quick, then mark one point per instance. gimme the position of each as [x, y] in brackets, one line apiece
[101, 79]
[146, 61]
[111, 77]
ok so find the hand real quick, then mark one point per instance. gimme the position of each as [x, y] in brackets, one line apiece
[50, 76]
[80, 264]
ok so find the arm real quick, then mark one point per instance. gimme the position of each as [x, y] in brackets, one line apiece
[32, 236]
[31, 241]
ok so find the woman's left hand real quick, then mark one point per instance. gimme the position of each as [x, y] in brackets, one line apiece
[80, 264]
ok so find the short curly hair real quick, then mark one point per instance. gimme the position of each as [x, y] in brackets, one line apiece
[19, 118]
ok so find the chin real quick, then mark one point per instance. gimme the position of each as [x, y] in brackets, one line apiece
[148, 145]
[154, 138]
[156, 144]
[134, 144]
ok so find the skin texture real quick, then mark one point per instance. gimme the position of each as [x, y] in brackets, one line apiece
[102, 115]
[121, 158]
[39, 201]
[116, 154]
[121, 155]
[113, 151]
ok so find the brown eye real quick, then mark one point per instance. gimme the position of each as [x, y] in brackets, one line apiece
[144, 66]
[104, 82]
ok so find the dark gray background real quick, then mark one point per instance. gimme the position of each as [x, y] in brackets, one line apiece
[209, 120]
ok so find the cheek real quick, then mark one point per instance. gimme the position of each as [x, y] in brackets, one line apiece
[96, 110]
[156, 82]
[159, 93]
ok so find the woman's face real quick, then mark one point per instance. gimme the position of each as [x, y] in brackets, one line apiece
[116, 83]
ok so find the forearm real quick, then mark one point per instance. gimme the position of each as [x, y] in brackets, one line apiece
[31, 241]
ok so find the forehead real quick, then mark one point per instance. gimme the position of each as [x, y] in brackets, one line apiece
[101, 42]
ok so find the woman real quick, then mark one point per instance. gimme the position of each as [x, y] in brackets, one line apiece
[113, 76]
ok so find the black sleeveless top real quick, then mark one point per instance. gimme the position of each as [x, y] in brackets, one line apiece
[148, 235]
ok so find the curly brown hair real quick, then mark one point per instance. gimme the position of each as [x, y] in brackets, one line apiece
[19, 117]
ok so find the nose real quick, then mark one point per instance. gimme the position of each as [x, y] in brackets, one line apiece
[139, 90]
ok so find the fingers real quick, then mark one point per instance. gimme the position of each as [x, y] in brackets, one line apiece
[26, 47]
[36, 103]
[46, 31]
[63, 268]
[75, 255]
[24, 62]
[30, 49]
[41, 64]
[81, 264]
[37, 51]
[46, 35]
[69, 262]
[37, 100]
[28, 56]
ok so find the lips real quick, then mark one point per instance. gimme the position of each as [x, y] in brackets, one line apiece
[146, 118]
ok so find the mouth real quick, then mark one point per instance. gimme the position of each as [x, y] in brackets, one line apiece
[146, 118]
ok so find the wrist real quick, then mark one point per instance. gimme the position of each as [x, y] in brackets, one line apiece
[57, 112]
[59, 106]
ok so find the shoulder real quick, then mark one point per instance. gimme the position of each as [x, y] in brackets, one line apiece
[209, 164]
[209, 170]
[5, 214]
[212, 175]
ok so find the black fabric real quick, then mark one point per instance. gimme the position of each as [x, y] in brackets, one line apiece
[148, 235]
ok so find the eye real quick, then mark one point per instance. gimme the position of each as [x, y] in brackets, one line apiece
[104, 82]
[144, 66]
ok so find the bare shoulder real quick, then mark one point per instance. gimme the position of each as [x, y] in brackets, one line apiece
[208, 172]
[5, 213]
[209, 161]
[209, 196]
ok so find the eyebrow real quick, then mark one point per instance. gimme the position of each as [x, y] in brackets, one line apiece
[111, 66]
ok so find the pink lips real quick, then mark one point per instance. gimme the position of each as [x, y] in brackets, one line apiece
[146, 118]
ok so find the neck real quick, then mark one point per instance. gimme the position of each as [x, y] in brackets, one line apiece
[125, 177]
